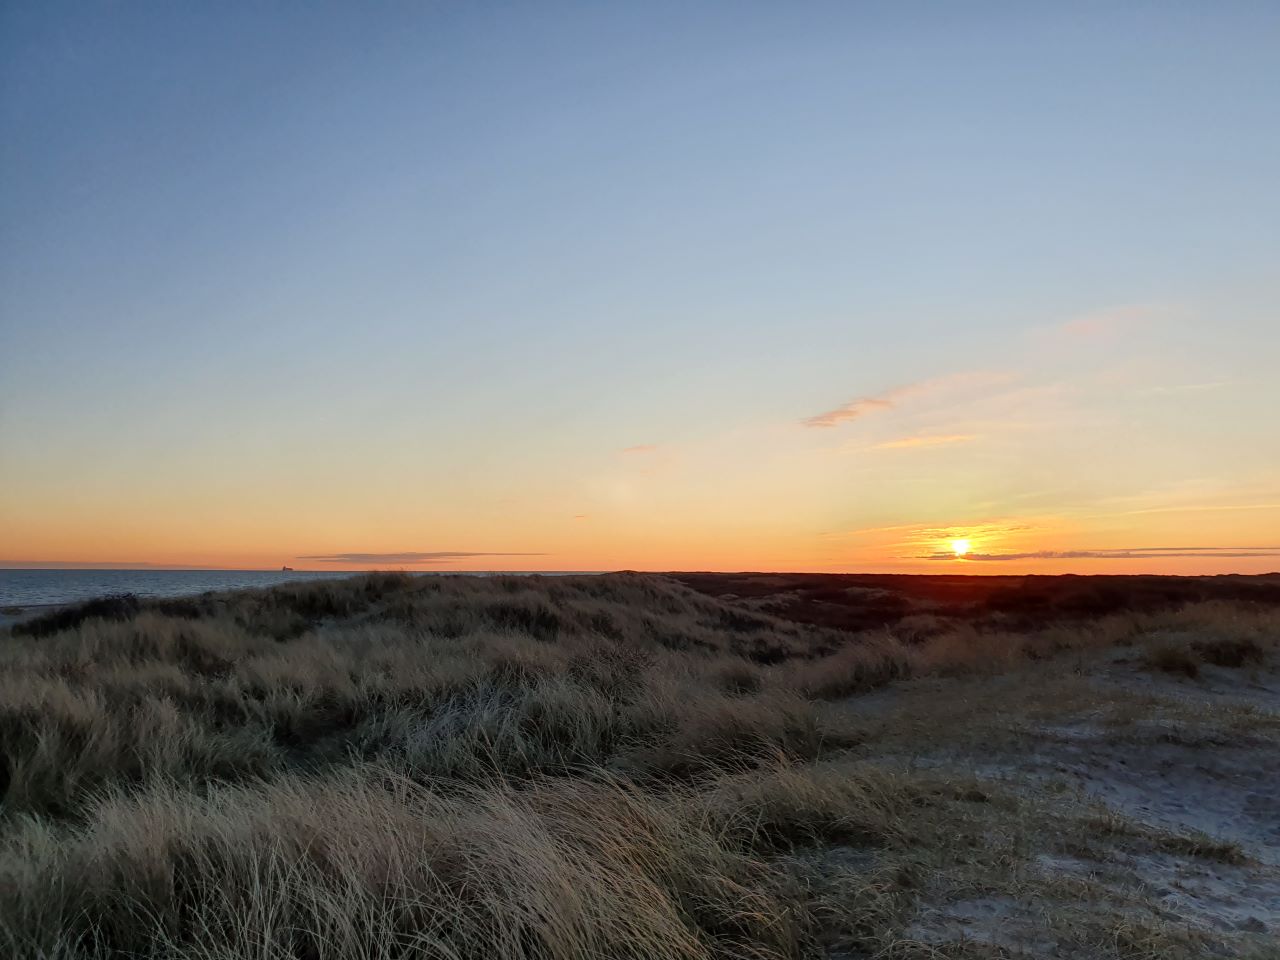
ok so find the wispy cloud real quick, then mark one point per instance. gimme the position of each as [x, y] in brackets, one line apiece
[1131, 553]
[934, 440]
[849, 411]
[1110, 321]
[1184, 388]
[891, 398]
[646, 460]
[1197, 508]
[917, 535]
[984, 529]
[411, 556]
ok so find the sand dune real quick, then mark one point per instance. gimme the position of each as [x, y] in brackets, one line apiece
[624, 766]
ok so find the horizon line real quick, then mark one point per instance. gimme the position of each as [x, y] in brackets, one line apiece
[437, 571]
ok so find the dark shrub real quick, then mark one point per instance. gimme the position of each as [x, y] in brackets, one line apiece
[185, 608]
[1174, 658]
[535, 619]
[116, 607]
[1230, 653]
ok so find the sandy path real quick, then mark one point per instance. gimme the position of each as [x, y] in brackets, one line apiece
[1192, 766]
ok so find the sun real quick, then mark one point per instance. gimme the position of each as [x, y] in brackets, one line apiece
[959, 547]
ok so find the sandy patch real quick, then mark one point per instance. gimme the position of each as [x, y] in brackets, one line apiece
[1182, 778]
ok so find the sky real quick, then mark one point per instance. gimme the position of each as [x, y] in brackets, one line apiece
[653, 286]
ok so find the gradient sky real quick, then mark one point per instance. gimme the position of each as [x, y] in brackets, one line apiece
[688, 285]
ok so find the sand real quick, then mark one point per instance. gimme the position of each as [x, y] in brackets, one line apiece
[1189, 761]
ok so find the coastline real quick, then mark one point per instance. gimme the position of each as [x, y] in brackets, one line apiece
[17, 613]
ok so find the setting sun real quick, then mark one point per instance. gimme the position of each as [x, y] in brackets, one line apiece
[960, 547]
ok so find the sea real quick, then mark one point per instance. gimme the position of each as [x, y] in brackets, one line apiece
[50, 587]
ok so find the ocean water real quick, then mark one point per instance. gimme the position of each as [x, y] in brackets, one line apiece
[31, 588]
[38, 588]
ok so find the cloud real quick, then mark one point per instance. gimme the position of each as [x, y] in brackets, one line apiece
[645, 460]
[411, 556]
[1185, 388]
[849, 411]
[918, 536]
[1130, 553]
[936, 440]
[1111, 321]
[1197, 508]
[891, 398]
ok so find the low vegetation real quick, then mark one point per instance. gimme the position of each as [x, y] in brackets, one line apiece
[451, 767]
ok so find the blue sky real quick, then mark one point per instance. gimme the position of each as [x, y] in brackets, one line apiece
[407, 277]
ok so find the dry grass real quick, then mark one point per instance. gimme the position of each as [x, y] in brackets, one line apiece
[368, 862]
[507, 767]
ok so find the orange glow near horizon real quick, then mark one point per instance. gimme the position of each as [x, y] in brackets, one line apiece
[1046, 544]
[769, 495]
[643, 512]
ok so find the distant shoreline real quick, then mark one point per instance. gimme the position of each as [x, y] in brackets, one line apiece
[26, 591]
[18, 612]
[46, 592]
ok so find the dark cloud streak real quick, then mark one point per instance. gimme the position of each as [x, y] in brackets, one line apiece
[1132, 553]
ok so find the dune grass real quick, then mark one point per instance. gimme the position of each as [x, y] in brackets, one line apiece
[453, 767]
